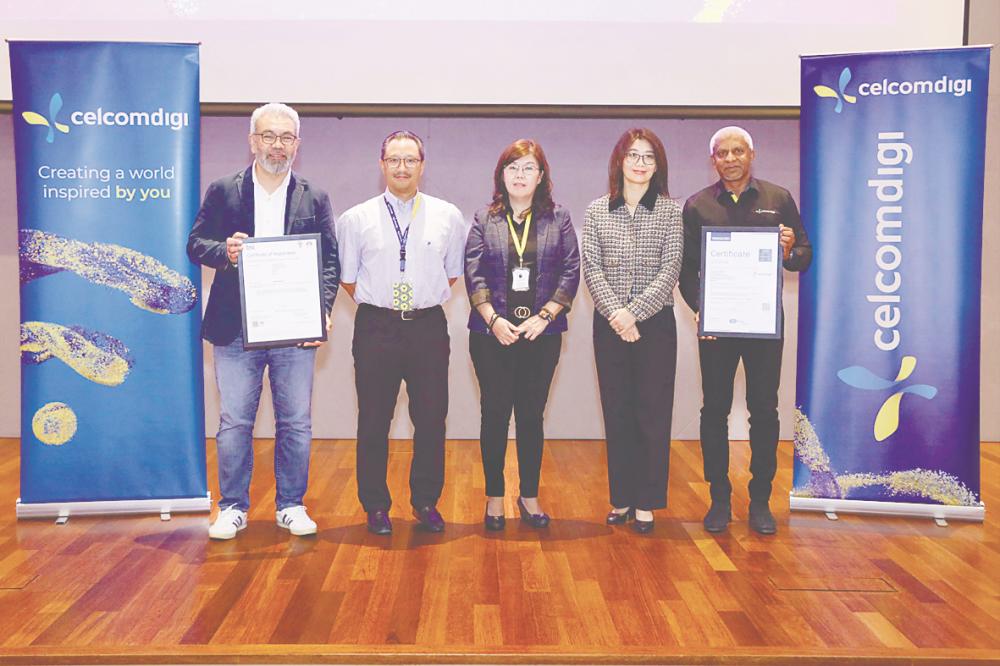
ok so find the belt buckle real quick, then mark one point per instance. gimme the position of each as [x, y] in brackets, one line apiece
[403, 313]
[522, 312]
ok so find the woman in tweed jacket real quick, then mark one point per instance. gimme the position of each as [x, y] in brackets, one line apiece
[522, 270]
[633, 241]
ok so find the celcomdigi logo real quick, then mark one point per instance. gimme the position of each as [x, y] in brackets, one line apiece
[944, 85]
[175, 120]
[842, 96]
[55, 104]
[887, 418]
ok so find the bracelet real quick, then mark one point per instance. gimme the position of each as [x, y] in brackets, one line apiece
[545, 314]
[493, 320]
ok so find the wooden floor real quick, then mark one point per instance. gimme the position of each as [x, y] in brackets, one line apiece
[138, 590]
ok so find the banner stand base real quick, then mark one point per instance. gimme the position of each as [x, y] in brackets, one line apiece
[62, 511]
[939, 512]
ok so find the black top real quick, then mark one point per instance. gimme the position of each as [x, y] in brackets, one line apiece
[648, 200]
[762, 204]
[521, 299]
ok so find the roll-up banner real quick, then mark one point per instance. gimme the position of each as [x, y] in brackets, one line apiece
[106, 139]
[892, 157]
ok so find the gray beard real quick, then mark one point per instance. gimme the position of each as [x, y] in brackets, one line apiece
[274, 167]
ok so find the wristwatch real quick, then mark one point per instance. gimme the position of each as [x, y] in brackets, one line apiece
[545, 314]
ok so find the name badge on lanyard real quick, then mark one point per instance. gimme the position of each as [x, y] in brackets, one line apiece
[521, 274]
[402, 290]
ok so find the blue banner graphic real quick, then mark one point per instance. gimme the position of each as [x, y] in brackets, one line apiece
[106, 139]
[892, 157]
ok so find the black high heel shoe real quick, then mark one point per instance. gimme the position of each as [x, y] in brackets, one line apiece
[642, 526]
[616, 518]
[494, 523]
[533, 519]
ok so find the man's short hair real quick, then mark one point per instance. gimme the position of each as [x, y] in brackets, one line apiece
[403, 134]
[274, 109]
[732, 129]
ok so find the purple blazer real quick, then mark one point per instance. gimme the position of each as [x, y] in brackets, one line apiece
[558, 261]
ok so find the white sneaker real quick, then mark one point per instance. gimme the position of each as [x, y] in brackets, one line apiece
[296, 520]
[229, 521]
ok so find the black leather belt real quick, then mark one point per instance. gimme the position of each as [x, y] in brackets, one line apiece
[405, 315]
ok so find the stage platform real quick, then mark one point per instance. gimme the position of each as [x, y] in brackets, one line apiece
[864, 590]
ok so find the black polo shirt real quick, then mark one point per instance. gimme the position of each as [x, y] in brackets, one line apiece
[762, 204]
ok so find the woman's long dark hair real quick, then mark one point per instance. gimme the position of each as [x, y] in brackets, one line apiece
[616, 179]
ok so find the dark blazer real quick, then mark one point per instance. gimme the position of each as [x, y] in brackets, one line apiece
[558, 261]
[229, 207]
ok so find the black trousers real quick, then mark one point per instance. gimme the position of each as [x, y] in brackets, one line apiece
[762, 365]
[387, 351]
[515, 378]
[637, 397]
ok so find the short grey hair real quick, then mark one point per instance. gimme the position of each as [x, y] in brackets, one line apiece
[274, 109]
[731, 129]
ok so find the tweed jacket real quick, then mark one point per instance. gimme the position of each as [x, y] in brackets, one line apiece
[632, 261]
[229, 207]
[486, 258]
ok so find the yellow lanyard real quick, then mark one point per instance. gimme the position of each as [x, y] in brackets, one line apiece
[519, 245]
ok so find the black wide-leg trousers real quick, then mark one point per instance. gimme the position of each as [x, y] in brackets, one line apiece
[637, 397]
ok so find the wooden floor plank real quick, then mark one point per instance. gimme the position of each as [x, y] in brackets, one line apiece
[863, 589]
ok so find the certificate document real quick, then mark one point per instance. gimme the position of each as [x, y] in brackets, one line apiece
[280, 291]
[740, 282]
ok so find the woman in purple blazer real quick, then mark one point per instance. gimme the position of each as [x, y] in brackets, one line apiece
[522, 270]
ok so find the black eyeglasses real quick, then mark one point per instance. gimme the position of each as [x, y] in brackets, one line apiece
[270, 137]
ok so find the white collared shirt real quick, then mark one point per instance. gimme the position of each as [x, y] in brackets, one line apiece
[269, 209]
[369, 249]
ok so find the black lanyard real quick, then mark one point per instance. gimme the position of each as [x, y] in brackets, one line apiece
[401, 235]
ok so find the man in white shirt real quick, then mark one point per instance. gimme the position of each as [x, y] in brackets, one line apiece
[265, 199]
[400, 252]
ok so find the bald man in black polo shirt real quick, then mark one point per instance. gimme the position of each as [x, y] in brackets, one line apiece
[739, 199]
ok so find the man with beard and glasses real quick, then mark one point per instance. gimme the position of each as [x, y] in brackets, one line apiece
[264, 200]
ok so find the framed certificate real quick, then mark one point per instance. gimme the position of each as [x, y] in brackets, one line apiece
[741, 277]
[281, 293]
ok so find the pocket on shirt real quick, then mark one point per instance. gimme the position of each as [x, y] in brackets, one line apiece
[611, 262]
[435, 242]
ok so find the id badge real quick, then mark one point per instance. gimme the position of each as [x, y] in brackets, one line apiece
[521, 276]
[402, 295]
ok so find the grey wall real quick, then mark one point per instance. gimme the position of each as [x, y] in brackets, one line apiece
[984, 28]
[341, 156]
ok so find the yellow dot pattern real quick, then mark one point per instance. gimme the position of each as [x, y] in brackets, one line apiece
[54, 424]
[47, 340]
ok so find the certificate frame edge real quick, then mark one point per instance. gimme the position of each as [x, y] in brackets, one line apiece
[779, 323]
[291, 342]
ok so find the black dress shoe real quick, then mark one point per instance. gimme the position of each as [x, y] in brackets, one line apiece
[761, 519]
[616, 518]
[494, 523]
[429, 518]
[533, 519]
[378, 522]
[718, 517]
[642, 526]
